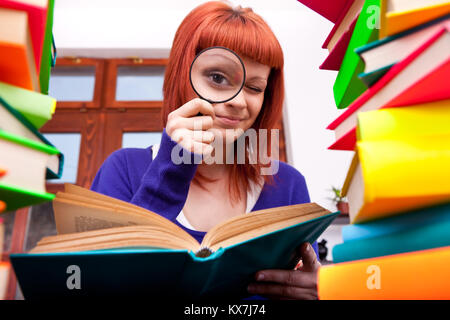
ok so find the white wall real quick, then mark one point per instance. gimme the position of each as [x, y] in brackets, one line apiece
[113, 28]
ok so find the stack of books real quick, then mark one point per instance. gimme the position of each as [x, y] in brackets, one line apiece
[27, 158]
[397, 123]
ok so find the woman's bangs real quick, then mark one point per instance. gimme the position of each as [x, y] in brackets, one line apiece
[244, 36]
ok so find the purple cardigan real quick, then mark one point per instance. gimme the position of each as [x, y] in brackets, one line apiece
[162, 186]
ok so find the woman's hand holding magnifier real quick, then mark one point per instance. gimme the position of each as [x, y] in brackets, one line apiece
[185, 127]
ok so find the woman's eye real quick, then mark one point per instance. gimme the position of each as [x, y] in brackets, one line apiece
[218, 78]
[256, 89]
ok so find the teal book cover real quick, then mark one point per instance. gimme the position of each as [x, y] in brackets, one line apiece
[398, 223]
[162, 273]
[421, 237]
[370, 78]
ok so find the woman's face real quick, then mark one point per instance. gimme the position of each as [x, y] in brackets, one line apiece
[242, 111]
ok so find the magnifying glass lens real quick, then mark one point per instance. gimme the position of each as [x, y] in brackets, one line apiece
[217, 74]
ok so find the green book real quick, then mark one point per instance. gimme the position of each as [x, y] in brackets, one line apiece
[25, 162]
[142, 254]
[14, 122]
[37, 108]
[46, 60]
[348, 86]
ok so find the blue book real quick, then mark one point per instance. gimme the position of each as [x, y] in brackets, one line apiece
[398, 223]
[418, 230]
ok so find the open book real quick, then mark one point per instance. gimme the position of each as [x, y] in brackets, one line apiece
[124, 250]
[87, 220]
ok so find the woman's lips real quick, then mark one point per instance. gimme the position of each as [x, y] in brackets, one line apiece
[228, 121]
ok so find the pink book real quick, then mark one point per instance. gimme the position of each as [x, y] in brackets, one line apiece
[330, 9]
[334, 60]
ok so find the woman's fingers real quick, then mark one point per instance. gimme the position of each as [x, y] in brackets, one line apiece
[287, 278]
[193, 141]
[278, 291]
[194, 123]
[200, 136]
[309, 258]
[193, 107]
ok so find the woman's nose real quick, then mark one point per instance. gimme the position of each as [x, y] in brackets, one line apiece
[238, 101]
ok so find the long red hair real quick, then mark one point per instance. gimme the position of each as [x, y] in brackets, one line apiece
[243, 31]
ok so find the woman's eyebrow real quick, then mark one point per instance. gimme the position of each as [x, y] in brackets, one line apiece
[257, 78]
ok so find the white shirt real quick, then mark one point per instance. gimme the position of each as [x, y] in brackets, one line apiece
[252, 196]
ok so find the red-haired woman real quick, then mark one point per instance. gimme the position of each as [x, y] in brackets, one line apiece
[198, 196]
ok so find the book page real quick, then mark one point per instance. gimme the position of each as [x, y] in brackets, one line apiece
[73, 216]
[122, 237]
[260, 222]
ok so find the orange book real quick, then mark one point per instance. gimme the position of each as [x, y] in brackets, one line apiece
[419, 275]
[5, 268]
[17, 63]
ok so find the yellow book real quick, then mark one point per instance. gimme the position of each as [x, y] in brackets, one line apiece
[399, 15]
[429, 119]
[419, 275]
[389, 177]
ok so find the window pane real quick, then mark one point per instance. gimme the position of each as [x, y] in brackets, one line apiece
[41, 223]
[140, 139]
[8, 223]
[69, 145]
[139, 83]
[69, 83]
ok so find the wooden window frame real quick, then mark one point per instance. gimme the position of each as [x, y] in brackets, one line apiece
[99, 66]
[111, 83]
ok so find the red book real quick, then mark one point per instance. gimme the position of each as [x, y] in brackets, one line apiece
[37, 19]
[330, 9]
[421, 77]
[334, 60]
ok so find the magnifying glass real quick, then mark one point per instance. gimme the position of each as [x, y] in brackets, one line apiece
[217, 74]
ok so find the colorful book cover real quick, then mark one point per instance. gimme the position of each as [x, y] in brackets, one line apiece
[393, 22]
[348, 86]
[330, 9]
[17, 64]
[419, 275]
[334, 59]
[47, 58]
[389, 177]
[396, 224]
[28, 129]
[38, 108]
[37, 15]
[418, 237]
[24, 183]
[419, 78]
